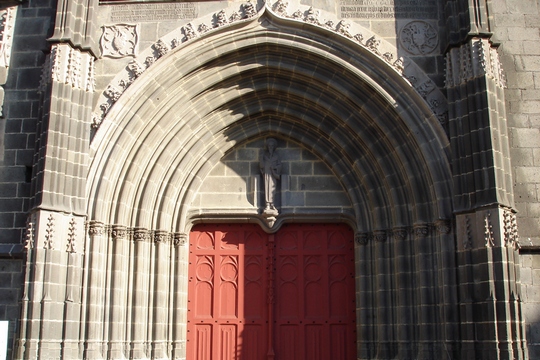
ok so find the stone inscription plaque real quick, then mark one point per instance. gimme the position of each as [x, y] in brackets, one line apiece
[388, 9]
[153, 12]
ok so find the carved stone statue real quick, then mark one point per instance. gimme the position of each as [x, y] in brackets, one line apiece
[270, 166]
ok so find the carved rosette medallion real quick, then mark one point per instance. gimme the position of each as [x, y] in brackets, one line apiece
[418, 38]
[119, 40]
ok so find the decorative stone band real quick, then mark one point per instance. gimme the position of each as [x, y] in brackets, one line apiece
[69, 66]
[474, 59]
[418, 80]
[443, 227]
[120, 232]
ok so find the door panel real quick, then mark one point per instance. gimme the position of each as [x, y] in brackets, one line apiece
[305, 282]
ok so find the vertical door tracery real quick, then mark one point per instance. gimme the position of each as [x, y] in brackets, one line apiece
[235, 271]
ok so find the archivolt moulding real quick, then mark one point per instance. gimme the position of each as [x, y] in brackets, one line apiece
[277, 12]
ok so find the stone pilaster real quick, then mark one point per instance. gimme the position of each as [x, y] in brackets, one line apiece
[488, 277]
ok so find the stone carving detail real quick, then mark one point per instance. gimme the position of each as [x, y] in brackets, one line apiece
[388, 57]
[221, 19]
[418, 38]
[180, 239]
[312, 16]
[270, 167]
[362, 238]
[399, 65]
[380, 236]
[135, 68]
[70, 246]
[119, 40]
[421, 231]
[203, 28]
[112, 93]
[68, 66]
[511, 238]
[373, 44]
[118, 232]
[161, 48]
[249, 10]
[400, 233]
[49, 231]
[467, 240]
[488, 231]
[95, 228]
[444, 227]
[140, 234]
[7, 24]
[343, 28]
[471, 60]
[280, 7]
[161, 237]
[235, 16]
[189, 32]
[30, 232]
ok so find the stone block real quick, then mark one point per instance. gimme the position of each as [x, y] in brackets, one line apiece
[525, 138]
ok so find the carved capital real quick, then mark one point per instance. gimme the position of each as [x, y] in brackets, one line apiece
[96, 228]
[444, 226]
[400, 233]
[161, 237]
[380, 235]
[180, 239]
[362, 238]
[141, 234]
[421, 231]
[118, 232]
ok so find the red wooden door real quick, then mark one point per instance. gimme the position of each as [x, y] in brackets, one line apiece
[237, 280]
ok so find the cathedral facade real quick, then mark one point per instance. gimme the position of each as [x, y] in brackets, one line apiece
[311, 179]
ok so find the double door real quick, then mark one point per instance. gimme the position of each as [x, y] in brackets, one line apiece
[283, 296]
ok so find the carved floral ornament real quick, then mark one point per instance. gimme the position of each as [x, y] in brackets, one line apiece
[121, 40]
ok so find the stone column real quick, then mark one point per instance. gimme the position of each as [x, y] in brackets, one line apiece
[119, 285]
[180, 264]
[404, 271]
[140, 310]
[425, 268]
[383, 291]
[161, 295]
[364, 297]
[95, 267]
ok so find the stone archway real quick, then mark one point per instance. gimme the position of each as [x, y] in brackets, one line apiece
[342, 105]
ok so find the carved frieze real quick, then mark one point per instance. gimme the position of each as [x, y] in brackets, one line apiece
[119, 40]
[418, 38]
[471, 60]
[68, 66]
[420, 34]
[140, 234]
